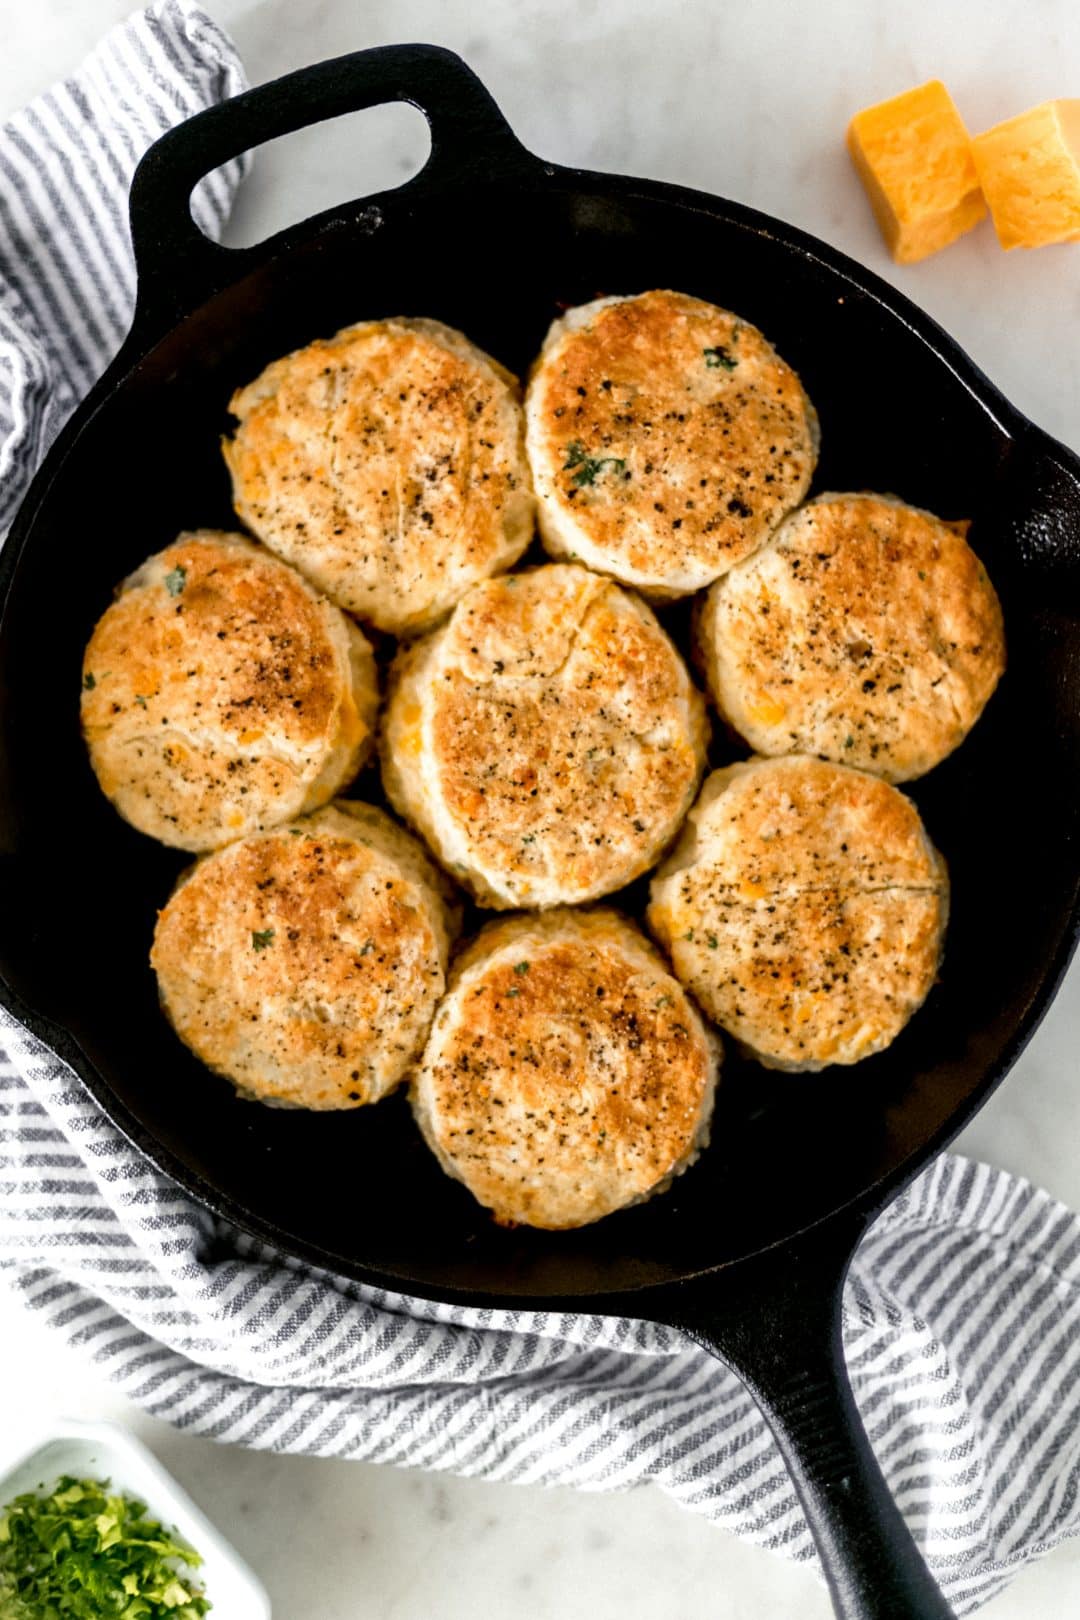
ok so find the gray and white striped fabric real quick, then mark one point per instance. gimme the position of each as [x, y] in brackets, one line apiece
[963, 1309]
[67, 280]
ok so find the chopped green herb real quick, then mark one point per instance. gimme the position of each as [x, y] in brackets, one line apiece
[367, 947]
[296, 832]
[140, 700]
[719, 356]
[587, 469]
[713, 942]
[849, 742]
[88, 682]
[175, 580]
[922, 573]
[521, 967]
[528, 838]
[261, 938]
[513, 991]
[689, 934]
[81, 1553]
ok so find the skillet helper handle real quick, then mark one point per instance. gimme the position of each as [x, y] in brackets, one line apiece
[178, 266]
[1037, 509]
[776, 1323]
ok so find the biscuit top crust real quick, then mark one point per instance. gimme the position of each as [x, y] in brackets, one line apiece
[217, 689]
[670, 435]
[563, 736]
[387, 463]
[567, 1073]
[866, 631]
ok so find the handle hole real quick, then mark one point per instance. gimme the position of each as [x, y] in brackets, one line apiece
[298, 175]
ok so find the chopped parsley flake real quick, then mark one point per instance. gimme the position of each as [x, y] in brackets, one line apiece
[521, 967]
[261, 938]
[140, 700]
[689, 934]
[89, 681]
[513, 991]
[82, 1552]
[587, 469]
[849, 742]
[713, 942]
[367, 947]
[175, 580]
[719, 356]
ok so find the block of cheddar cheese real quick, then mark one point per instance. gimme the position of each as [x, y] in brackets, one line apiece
[913, 155]
[1029, 168]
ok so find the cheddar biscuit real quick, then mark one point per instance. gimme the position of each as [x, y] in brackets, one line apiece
[865, 631]
[567, 1074]
[667, 439]
[547, 741]
[387, 463]
[221, 694]
[305, 964]
[805, 908]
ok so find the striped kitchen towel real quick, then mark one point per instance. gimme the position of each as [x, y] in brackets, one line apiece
[67, 278]
[963, 1306]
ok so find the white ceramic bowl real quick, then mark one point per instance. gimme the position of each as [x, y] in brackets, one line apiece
[106, 1451]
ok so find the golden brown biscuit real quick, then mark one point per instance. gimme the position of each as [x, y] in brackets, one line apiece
[547, 741]
[305, 964]
[567, 1074]
[667, 439]
[387, 464]
[221, 694]
[865, 631]
[805, 907]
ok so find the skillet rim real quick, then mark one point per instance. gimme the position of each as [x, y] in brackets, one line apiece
[151, 327]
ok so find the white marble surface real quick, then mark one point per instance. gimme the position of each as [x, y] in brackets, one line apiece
[749, 101]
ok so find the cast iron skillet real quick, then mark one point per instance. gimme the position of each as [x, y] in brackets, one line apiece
[748, 1253]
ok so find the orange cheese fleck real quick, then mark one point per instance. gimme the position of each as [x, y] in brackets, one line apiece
[913, 155]
[1029, 167]
[412, 730]
[352, 727]
[766, 711]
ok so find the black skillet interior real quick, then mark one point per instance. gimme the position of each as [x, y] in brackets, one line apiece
[497, 249]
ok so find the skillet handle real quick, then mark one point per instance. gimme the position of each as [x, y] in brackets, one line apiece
[775, 1321]
[178, 266]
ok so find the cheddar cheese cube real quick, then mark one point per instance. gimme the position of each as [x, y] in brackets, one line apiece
[1029, 168]
[913, 155]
